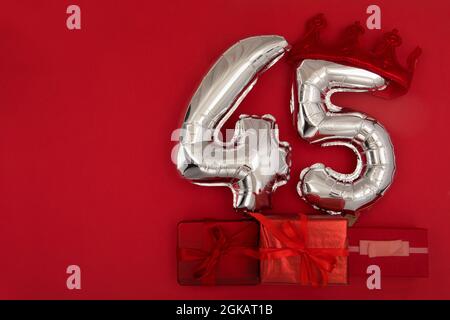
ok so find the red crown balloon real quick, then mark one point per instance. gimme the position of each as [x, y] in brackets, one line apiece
[382, 60]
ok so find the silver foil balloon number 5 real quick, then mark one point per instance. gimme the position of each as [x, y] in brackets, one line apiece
[320, 121]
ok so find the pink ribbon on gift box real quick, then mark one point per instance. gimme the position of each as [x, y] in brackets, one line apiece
[390, 248]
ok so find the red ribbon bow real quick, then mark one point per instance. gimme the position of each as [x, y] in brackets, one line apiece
[221, 245]
[315, 263]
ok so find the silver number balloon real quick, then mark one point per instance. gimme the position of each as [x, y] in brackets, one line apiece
[254, 162]
[319, 121]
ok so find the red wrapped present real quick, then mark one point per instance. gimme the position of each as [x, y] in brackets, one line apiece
[303, 250]
[218, 252]
[398, 252]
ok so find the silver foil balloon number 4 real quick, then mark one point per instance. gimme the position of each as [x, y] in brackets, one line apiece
[253, 163]
[319, 121]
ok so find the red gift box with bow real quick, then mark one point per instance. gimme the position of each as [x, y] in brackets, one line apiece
[218, 252]
[399, 252]
[303, 250]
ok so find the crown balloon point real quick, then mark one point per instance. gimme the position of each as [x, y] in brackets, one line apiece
[393, 38]
[354, 30]
[350, 37]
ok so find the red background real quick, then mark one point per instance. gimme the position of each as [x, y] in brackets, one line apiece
[85, 123]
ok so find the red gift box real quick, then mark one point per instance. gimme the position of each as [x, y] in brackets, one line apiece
[398, 252]
[303, 250]
[218, 252]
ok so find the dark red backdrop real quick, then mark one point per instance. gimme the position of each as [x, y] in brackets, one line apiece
[85, 124]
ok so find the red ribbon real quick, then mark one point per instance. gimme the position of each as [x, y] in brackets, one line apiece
[221, 245]
[315, 263]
